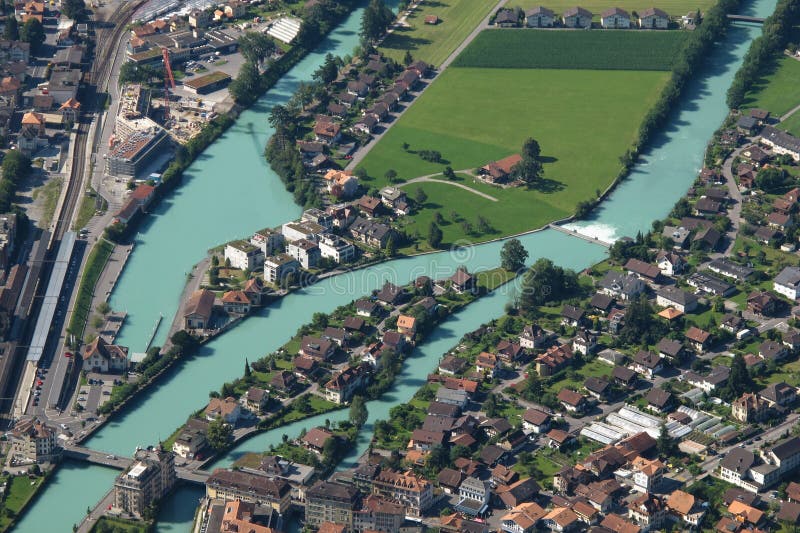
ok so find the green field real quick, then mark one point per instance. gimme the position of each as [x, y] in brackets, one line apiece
[675, 8]
[791, 124]
[601, 50]
[583, 119]
[778, 91]
[433, 44]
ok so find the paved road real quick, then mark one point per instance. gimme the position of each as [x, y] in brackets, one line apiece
[735, 212]
[429, 179]
[360, 154]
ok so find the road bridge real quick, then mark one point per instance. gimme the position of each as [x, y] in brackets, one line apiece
[110, 460]
[745, 18]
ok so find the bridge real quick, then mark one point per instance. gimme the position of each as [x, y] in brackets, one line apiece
[87, 455]
[586, 238]
[745, 18]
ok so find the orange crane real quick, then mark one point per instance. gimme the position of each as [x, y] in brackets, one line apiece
[169, 82]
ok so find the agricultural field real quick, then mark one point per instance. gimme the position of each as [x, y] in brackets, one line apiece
[597, 50]
[434, 43]
[473, 116]
[675, 8]
[778, 91]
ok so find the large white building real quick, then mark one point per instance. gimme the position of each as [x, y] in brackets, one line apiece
[336, 248]
[243, 255]
[787, 282]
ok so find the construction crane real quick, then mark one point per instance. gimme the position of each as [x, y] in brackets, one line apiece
[169, 82]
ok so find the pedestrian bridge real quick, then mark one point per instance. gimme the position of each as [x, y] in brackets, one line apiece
[745, 18]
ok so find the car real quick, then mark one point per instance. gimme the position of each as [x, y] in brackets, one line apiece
[67, 354]
[63, 426]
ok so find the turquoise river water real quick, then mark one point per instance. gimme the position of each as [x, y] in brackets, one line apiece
[229, 192]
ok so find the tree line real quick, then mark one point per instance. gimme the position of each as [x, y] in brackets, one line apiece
[762, 52]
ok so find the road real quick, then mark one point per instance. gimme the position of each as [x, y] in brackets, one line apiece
[364, 150]
[429, 179]
[735, 210]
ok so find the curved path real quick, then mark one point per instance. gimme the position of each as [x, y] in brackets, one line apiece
[429, 179]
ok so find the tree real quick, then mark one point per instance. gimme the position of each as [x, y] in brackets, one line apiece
[420, 197]
[739, 380]
[641, 326]
[327, 71]
[219, 434]
[74, 9]
[375, 21]
[246, 87]
[449, 173]
[255, 46]
[11, 32]
[319, 321]
[665, 443]
[358, 412]
[528, 171]
[32, 32]
[490, 405]
[513, 255]
[531, 149]
[434, 235]
[247, 372]
[390, 175]
[408, 58]
[391, 246]
[545, 282]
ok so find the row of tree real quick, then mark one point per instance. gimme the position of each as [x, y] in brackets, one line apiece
[764, 49]
[32, 32]
[16, 167]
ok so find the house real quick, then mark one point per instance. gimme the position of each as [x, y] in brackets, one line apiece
[615, 18]
[371, 232]
[462, 281]
[698, 339]
[336, 248]
[344, 384]
[500, 171]
[747, 125]
[572, 316]
[458, 398]
[256, 399]
[577, 17]
[647, 474]
[487, 364]
[716, 378]
[671, 296]
[101, 356]
[509, 352]
[452, 365]
[317, 348]
[732, 323]
[599, 388]
[749, 408]
[197, 314]
[341, 183]
[304, 367]
[522, 518]
[365, 125]
[560, 518]
[617, 524]
[584, 342]
[611, 357]
[536, 421]
[770, 350]
[33, 441]
[283, 381]
[762, 303]
[645, 271]
[648, 512]
[571, 400]
[686, 508]
[670, 349]
[624, 377]
[316, 438]
[268, 240]
[787, 282]
[553, 360]
[236, 302]
[708, 237]
[670, 263]
[653, 18]
[601, 302]
[506, 18]
[391, 294]
[678, 235]
[730, 269]
[707, 206]
[778, 394]
[532, 337]
[647, 364]
[659, 400]
[781, 142]
[253, 289]
[709, 284]
[539, 17]
[620, 285]
[366, 308]
[228, 409]
[279, 267]
[327, 132]
[191, 439]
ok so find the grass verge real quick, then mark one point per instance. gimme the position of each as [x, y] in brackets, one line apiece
[91, 274]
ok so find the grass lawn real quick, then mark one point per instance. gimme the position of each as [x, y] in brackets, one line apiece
[49, 192]
[583, 119]
[594, 368]
[594, 50]
[778, 91]
[20, 490]
[433, 44]
[791, 124]
[118, 525]
[676, 8]
[491, 279]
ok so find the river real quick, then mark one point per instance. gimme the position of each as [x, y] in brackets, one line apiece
[181, 231]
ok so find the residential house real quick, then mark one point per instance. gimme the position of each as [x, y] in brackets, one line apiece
[371, 232]
[236, 302]
[787, 282]
[647, 363]
[571, 401]
[653, 18]
[487, 364]
[770, 350]
[256, 399]
[615, 18]
[716, 378]
[269, 241]
[730, 269]
[228, 409]
[336, 248]
[506, 18]
[781, 142]
[577, 17]
[762, 303]
[101, 356]
[670, 349]
[698, 339]
[620, 285]
[539, 17]
[778, 394]
[327, 132]
[509, 352]
[497, 172]
[553, 360]
[686, 508]
[670, 263]
[648, 512]
[647, 474]
[749, 408]
[452, 365]
[33, 441]
[624, 377]
[599, 388]
[532, 337]
[283, 381]
[572, 316]
[584, 342]
[344, 384]
[560, 519]
[536, 421]
[659, 400]
[522, 518]
[317, 348]
[243, 255]
[709, 284]
[671, 296]
[412, 491]
[198, 309]
[306, 252]
[462, 281]
[316, 438]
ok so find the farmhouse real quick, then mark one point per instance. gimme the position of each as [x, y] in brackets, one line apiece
[506, 18]
[539, 17]
[577, 17]
[615, 18]
[500, 171]
[653, 18]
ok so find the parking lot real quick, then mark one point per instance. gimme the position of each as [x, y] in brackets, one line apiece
[96, 391]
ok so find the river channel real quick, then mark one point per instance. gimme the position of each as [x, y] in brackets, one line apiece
[229, 192]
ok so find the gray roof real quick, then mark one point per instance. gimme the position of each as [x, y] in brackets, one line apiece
[747, 123]
[781, 138]
[787, 448]
[708, 283]
[669, 346]
[789, 276]
[729, 268]
[539, 10]
[679, 296]
[738, 460]
[621, 282]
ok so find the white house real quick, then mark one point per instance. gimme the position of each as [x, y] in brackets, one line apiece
[243, 255]
[615, 18]
[306, 252]
[337, 248]
[653, 18]
[787, 282]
